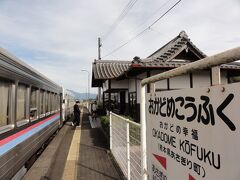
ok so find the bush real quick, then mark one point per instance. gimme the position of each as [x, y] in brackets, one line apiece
[105, 124]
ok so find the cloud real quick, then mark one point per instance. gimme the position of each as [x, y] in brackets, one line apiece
[59, 38]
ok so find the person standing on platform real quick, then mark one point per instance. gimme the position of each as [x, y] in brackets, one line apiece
[94, 110]
[77, 112]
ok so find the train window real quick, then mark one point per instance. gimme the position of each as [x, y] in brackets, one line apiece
[58, 102]
[47, 104]
[49, 101]
[55, 102]
[33, 104]
[41, 103]
[4, 103]
[21, 102]
[52, 102]
[57, 105]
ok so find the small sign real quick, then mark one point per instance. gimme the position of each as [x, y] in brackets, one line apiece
[194, 133]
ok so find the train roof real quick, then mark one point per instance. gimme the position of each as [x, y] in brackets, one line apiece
[12, 63]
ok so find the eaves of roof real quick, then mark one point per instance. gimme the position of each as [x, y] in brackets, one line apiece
[169, 65]
[109, 69]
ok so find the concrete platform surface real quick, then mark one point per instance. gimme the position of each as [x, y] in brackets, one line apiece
[76, 153]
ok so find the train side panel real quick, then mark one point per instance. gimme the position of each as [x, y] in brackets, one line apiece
[31, 111]
[17, 152]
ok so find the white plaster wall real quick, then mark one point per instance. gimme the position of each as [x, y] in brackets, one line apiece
[201, 79]
[160, 84]
[131, 85]
[180, 82]
[123, 84]
[105, 86]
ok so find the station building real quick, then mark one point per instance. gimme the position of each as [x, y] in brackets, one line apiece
[120, 80]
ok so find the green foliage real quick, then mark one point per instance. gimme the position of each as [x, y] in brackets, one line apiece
[105, 124]
[100, 105]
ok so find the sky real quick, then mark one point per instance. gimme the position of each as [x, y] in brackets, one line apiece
[59, 37]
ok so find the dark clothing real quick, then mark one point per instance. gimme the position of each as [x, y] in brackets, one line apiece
[76, 119]
[76, 109]
[94, 115]
[76, 112]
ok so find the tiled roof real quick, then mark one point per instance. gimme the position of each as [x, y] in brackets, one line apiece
[234, 65]
[175, 64]
[179, 51]
[170, 50]
[109, 69]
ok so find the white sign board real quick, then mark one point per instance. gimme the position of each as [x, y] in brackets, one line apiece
[194, 134]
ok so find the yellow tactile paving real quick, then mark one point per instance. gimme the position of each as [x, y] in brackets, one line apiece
[70, 170]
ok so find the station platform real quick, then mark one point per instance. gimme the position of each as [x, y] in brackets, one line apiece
[76, 153]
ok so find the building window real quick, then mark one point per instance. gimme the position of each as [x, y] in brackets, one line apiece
[21, 102]
[132, 104]
[114, 101]
[4, 103]
[33, 104]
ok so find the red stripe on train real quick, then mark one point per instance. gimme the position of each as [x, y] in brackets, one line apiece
[10, 138]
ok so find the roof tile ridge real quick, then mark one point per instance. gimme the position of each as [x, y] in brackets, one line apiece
[185, 36]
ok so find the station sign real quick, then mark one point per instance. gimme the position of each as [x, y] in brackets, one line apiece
[194, 133]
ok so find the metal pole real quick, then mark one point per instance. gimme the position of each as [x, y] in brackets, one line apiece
[88, 86]
[99, 48]
[99, 58]
[128, 153]
[111, 131]
[143, 133]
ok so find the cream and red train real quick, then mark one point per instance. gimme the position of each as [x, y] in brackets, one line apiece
[32, 108]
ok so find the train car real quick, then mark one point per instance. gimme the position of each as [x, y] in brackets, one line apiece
[67, 105]
[30, 112]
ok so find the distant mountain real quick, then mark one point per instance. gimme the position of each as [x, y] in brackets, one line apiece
[83, 96]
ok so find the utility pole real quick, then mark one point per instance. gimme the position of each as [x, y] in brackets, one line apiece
[99, 58]
[99, 48]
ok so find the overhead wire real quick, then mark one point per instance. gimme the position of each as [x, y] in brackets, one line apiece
[155, 12]
[124, 12]
[124, 44]
[165, 13]
[143, 31]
